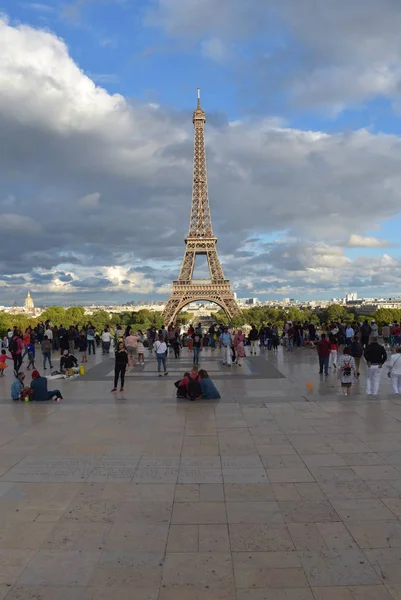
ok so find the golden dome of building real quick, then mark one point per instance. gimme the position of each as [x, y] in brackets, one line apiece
[28, 304]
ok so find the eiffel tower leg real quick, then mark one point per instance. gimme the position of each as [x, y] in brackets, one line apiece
[170, 311]
[216, 272]
[187, 267]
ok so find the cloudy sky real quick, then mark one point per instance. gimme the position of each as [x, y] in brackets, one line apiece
[303, 100]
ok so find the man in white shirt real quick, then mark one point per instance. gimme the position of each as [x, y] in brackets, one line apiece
[106, 338]
[49, 333]
[349, 334]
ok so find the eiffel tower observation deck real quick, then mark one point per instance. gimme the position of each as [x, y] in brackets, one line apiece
[200, 241]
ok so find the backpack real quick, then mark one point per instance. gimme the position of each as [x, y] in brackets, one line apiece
[346, 369]
[194, 389]
[12, 345]
[47, 346]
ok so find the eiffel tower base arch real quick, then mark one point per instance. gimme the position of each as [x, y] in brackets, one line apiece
[185, 293]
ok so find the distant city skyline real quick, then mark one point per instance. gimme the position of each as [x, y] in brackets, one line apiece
[303, 146]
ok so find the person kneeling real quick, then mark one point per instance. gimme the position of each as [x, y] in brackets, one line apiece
[189, 387]
[40, 393]
[209, 390]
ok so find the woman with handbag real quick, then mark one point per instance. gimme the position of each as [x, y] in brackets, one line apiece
[394, 371]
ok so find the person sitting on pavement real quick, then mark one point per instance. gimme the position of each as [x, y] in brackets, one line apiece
[17, 386]
[40, 393]
[209, 390]
[67, 362]
[191, 383]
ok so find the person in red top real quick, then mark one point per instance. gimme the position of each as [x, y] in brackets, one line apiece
[189, 386]
[396, 334]
[333, 350]
[323, 351]
[16, 346]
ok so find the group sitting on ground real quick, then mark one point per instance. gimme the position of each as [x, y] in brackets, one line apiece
[37, 391]
[197, 385]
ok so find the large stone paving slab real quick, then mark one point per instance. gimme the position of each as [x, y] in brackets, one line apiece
[270, 493]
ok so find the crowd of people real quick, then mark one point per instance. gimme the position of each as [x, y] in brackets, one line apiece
[361, 341]
[340, 346]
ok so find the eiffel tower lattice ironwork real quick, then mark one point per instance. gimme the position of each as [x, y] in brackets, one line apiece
[200, 241]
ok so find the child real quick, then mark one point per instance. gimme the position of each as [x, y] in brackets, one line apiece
[83, 346]
[346, 371]
[333, 351]
[31, 356]
[209, 390]
[3, 365]
[140, 348]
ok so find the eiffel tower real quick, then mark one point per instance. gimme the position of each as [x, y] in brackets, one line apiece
[200, 241]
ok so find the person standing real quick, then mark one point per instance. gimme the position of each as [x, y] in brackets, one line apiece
[375, 356]
[71, 339]
[151, 338]
[140, 348]
[131, 343]
[356, 353]
[253, 338]
[46, 346]
[212, 334]
[349, 334]
[90, 336]
[394, 370]
[198, 346]
[225, 341]
[346, 370]
[120, 366]
[161, 354]
[386, 335]
[239, 340]
[323, 351]
[106, 338]
[374, 329]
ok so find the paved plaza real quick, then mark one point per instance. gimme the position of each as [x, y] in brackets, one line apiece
[275, 492]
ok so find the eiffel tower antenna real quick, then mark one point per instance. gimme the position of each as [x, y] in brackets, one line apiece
[200, 241]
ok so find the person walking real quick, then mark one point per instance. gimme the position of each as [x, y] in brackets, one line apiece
[333, 351]
[120, 366]
[161, 354]
[386, 332]
[365, 333]
[375, 356]
[15, 347]
[225, 342]
[140, 348]
[46, 347]
[356, 353]
[394, 370]
[198, 346]
[346, 370]
[323, 351]
[254, 339]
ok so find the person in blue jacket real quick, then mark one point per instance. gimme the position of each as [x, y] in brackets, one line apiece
[209, 390]
[39, 389]
[17, 386]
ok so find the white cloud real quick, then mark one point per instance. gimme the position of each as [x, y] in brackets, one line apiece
[363, 241]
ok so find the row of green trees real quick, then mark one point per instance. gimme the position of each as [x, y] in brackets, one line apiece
[143, 318]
